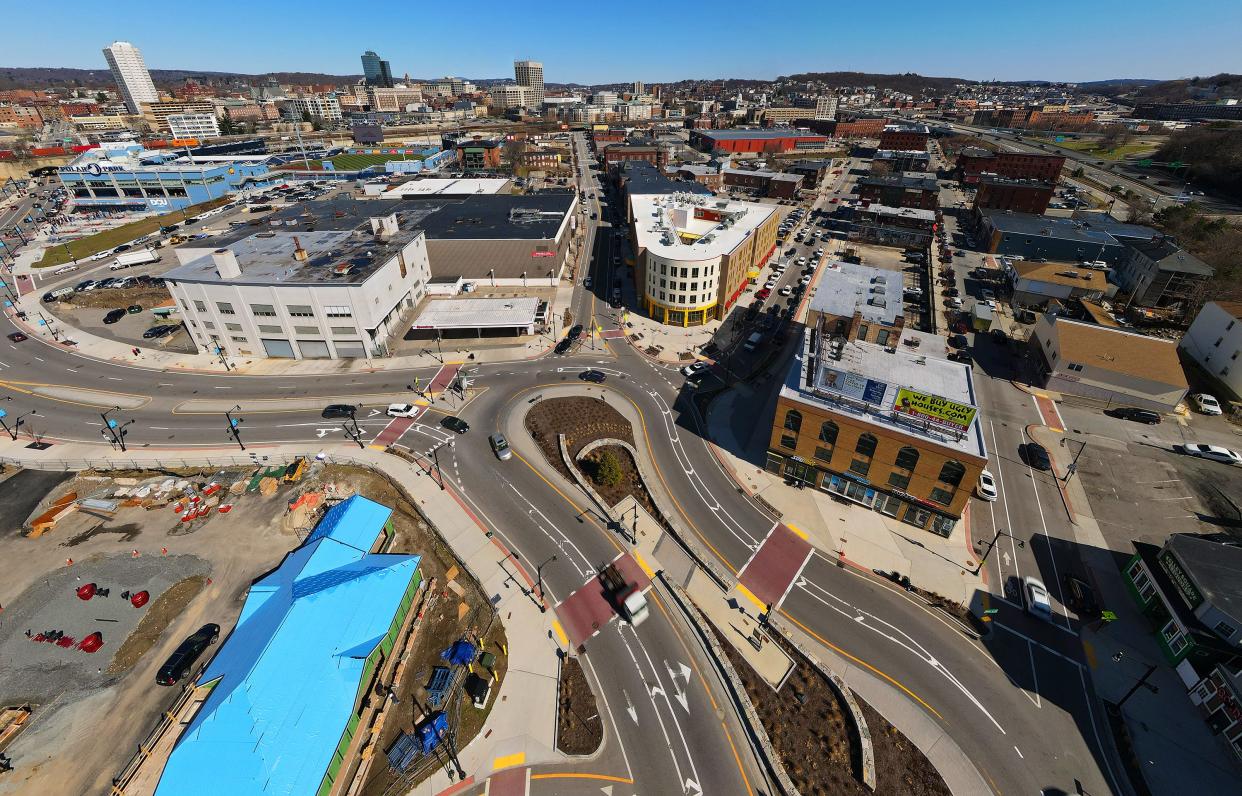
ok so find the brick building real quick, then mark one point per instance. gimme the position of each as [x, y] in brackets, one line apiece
[763, 182]
[860, 128]
[974, 161]
[1020, 196]
[756, 141]
[900, 190]
[904, 137]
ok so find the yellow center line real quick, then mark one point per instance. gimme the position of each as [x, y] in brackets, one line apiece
[860, 662]
[576, 775]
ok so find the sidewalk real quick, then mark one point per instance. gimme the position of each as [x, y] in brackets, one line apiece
[1171, 740]
[521, 728]
[863, 537]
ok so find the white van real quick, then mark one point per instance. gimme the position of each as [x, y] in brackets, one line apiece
[753, 341]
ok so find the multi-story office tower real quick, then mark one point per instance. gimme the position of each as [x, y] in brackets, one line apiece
[530, 74]
[131, 75]
[378, 72]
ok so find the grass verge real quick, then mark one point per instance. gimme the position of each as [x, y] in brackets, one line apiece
[111, 238]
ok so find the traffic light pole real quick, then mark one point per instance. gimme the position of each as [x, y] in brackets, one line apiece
[234, 425]
[117, 431]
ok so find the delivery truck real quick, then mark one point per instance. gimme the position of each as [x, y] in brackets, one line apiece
[626, 597]
[130, 259]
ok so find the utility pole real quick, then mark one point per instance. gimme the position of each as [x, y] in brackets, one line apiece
[539, 583]
[1073, 466]
[999, 533]
[353, 433]
[118, 431]
[234, 425]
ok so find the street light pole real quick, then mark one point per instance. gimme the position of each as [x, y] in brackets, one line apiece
[1142, 683]
[234, 424]
[1073, 466]
[999, 533]
[117, 431]
[539, 583]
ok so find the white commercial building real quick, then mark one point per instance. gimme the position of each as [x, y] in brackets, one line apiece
[324, 107]
[332, 294]
[1214, 341]
[194, 125]
[513, 96]
[696, 253]
[129, 71]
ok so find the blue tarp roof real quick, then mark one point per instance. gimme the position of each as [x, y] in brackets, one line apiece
[289, 673]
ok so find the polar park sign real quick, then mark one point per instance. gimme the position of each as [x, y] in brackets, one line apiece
[940, 411]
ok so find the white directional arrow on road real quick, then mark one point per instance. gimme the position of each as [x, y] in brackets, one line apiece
[693, 787]
[1005, 557]
[629, 706]
[322, 432]
[374, 412]
[672, 676]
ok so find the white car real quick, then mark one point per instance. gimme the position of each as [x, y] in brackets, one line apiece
[101, 255]
[987, 486]
[804, 281]
[785, 291]
[694, 368]
[1037, 602]
[1207, 404]
[402, 410]
[1214, 452]
[64, 269]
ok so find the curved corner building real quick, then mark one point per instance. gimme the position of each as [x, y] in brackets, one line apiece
[696, 253]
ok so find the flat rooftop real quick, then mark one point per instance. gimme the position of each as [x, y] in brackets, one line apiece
[847, 287]
[693, 227]
[1048, 227]
[928, 216]
[865, 380]
[907, 181]
[535, 216]
[477, 313]
[1060, 273]
[433, 186]
[340, 257]
[723, 135]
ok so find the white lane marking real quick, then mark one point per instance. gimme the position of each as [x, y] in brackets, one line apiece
[668, 742]
[676, 722]
[1019, 751]
[914, 647]
[1038, 700]
[1048, 540]
[565, 544]
[114, 378]
[1000, 479]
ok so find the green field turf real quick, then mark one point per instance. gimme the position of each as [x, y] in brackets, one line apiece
[358, 162]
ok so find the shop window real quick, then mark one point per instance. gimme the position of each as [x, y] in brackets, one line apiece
[793, 420]
[1225, 630]
[866, 445]
[942, 525]
[828, 432]
[952, 473]
[889, 505]
[916, 516]
[907, 458]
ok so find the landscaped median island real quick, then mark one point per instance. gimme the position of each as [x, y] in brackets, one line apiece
[579, 727]
[81, 248]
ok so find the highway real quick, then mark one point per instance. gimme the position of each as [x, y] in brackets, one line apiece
[1018, 703]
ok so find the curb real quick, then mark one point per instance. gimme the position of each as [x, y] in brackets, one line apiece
[1066, 503]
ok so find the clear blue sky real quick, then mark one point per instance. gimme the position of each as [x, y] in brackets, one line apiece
[594, 42]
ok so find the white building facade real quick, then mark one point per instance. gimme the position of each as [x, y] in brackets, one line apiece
[1214, 341]
[194, 125]
[129, 70]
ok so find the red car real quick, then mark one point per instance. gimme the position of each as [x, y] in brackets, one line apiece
[763, 294]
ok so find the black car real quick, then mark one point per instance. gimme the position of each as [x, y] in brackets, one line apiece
[121, 248]
[962, 356]
[1036, 456]
[1079, 596]
[958, 341]
[1133, 413]
[18, 337]
[338, 411]
[454, 423]
[563, 345]
[575, 332]
[592, 376]
[156, 331]
[113, 316]
[182, 660]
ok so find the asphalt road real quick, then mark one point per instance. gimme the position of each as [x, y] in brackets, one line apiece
[1018, 704]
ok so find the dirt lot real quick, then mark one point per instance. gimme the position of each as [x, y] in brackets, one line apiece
[86, 311]
[811, 730]
[579, 728]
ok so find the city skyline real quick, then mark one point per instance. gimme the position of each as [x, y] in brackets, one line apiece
[1005, 44]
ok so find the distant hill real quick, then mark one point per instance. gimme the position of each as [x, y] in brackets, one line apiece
[908, 83]
[42, 77]
[1198, 89]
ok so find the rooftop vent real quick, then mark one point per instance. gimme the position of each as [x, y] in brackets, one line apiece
[226, 263]
[299, 253]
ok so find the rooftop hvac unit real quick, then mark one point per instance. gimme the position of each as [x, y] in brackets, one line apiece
[879, 280]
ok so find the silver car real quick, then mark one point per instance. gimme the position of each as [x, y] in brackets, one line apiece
[500, 447]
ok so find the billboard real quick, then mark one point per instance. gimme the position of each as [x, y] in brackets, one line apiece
[940, 411]
[851, 385]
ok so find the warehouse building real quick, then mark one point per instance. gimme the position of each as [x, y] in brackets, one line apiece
[696, 254]
[756, 141]
[286, 703]
[1108, 365]
[1041, 237]
[890, 428]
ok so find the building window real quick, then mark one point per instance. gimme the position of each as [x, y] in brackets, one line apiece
[907, 458]
[1219, 340]
[823, 454]
[1074, 366]
[343, 330]
[862, 331]
[200, 306]
[1225, 630]
[1174, 636]
[300, 311]
[952, 473]
[225, 308]
[338, 312]
[263, 310]
[788, 441]
[916, 516]
[306, 329]
[828, 432]
[881, 337]
[941, 496]
[899, 480]
[860, 466]
[209, 325]
[793, 420]
[238, 339]
[866, 445]
[269, 329]
[233, 327]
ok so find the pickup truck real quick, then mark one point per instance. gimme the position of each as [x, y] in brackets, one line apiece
[626, 597]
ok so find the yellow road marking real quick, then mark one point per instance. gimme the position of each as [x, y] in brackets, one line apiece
[576, 775]
[146, 399]
[1088, 650]
[560, 633]
[798, 531]
[508, 761]
[736, 759]
[748, 594]
[642, 563]
[861, 662]
[377, 447]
